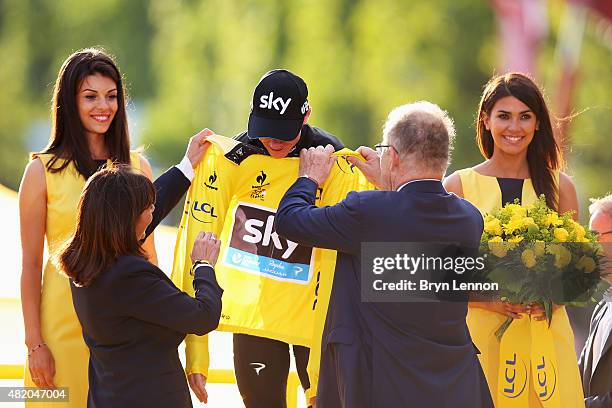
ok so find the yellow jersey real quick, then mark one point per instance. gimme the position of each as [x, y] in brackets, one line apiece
[273, 287]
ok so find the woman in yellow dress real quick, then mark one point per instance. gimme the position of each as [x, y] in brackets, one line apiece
[89, 129]
[522, 160]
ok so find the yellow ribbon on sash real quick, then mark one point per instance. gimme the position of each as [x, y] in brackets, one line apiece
[544, 365]
[514, 366]
[528, 366]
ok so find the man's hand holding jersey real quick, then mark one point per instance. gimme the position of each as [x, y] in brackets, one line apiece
[316, 163]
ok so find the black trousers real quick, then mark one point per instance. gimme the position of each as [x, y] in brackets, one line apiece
[262, 369]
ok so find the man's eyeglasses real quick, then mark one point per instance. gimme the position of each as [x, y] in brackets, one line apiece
[380, 148]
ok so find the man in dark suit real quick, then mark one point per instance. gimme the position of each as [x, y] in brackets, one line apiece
[390, 354]
[596, 358]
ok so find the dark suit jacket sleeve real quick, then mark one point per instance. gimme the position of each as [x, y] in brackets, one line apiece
[336, 227]
[170, 188]
[583, 360]
[152, 297]
[595, 401]
[599, 401]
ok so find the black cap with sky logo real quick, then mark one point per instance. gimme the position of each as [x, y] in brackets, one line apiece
[280, 103]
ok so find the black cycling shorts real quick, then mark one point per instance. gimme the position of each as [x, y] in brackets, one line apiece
[262, 368]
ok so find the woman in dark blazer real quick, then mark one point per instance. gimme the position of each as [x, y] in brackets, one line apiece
[133, 316]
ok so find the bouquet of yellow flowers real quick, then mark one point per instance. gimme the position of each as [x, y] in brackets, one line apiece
[539, 256]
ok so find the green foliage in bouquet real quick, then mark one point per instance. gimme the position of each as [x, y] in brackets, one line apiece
[539, 256]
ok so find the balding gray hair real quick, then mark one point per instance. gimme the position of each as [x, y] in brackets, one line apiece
[603, 204]
[422, 131]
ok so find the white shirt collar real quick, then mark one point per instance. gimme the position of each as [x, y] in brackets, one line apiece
[413, 181]
[607, 297]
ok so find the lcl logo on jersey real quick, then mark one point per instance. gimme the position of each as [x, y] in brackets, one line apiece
[255, 246]
[203, 212]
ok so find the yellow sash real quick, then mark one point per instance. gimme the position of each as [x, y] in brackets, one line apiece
[528, 366]
[544, 365]
[514, 366]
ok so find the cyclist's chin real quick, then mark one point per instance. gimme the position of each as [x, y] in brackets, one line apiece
[278, 154]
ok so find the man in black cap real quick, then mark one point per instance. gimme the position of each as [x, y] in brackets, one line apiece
[278, 127]
[279, 116]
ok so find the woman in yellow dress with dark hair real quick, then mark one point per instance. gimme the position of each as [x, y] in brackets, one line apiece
[89, 129]
[523, 160]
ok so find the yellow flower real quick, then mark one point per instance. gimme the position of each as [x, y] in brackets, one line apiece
[538, 248]
[563, 259]
[514, 224]
[528, 257]
[561, 234]
[527, 221]
[498, 247]
[493, 226]
[580, 232]
[517, 210]
[511, 244]
[586, 263]
[562, 255]
[552, 219]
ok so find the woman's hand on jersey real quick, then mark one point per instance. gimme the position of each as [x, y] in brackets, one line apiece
[197, 146]
[206, 248]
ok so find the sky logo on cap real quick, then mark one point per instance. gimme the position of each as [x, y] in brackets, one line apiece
[279, 104]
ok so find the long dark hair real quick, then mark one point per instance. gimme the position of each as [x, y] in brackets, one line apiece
[544, 155]
[109, 208]
[68, 139]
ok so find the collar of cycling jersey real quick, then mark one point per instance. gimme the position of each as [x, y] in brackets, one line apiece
[311, 137]
[236, 151]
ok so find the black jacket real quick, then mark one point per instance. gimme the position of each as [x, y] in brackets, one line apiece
[389, 353]
[311, 137]
[597, 384]
[134, 319]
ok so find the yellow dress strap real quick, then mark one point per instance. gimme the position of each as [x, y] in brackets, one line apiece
[135, 159]
[484, 192]
[480, 190]
[529, 195]
[46, 158]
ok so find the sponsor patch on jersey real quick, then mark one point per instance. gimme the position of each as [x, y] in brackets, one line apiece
[255, 247]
